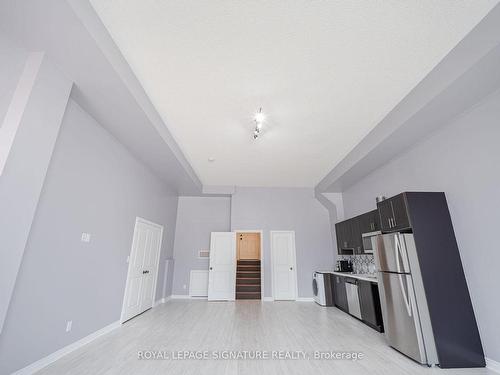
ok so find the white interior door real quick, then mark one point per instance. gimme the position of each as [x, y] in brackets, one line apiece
[283, 265]
[222, 268]
[143, 268]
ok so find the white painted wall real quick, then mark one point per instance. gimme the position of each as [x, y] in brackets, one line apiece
[462, 159]
[27, 140]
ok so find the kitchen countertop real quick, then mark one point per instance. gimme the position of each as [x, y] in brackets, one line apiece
[364, 276]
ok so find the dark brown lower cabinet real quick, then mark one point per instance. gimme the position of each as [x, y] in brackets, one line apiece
[339, 292]
[369, 301]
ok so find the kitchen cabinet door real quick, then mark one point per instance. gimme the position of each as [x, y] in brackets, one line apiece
[376, 220]
[342, 234]
[340, 294]
[386, 215]
[365, 224]
[355, 240]
[373, 220]
[400, 213]
[345, 237]
[370, 222]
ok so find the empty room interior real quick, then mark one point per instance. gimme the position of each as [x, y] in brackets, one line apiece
[241, 187]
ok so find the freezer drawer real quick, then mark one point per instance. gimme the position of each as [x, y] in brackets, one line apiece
[391, 253]
[401, 320]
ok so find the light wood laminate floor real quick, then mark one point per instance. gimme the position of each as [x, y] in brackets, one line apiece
[242, 325]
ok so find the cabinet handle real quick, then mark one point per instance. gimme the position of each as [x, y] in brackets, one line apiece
[393, 221]
[389, 220]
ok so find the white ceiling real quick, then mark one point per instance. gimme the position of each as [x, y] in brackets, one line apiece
[325, 73]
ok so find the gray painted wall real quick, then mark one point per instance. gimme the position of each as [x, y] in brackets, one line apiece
[13, 59]
[287, 209]
[197, 217]
[462, 159]
[35, 118]
[93, 185]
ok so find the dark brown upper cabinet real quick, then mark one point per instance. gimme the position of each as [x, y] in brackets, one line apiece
[349, 232]
[369, 222]
[347, 241]
[394, 214]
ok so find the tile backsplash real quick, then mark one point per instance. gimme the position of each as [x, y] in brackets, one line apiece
[361, 263]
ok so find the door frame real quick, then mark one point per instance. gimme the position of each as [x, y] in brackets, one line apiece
[262, 289]
[296, 286]
[157, 266]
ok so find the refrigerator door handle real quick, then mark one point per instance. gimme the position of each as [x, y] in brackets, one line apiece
[397, 250]
[405, 296]
[404, 253]
[396, 253]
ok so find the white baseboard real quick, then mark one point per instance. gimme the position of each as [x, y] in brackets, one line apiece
[305, 299]
[44, 362]
[161, 301]
[493, 365]
[180, 296]
[265, 299]
[185, 296]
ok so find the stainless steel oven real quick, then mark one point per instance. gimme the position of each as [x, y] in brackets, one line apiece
[368, 244]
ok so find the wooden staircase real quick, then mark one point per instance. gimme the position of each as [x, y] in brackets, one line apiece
[248, 279]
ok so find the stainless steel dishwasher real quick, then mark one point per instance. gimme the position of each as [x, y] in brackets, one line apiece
[351, 287]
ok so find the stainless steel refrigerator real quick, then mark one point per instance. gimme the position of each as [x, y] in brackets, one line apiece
[404, 306]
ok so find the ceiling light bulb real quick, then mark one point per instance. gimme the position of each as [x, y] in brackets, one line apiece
[260, 117]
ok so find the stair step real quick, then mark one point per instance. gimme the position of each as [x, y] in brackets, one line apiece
[248, 274]
[247, 288]
[250, 262]
[248, 295]
[248, 280]
[248, 268]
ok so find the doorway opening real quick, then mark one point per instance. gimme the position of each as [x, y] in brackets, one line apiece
[248, 268]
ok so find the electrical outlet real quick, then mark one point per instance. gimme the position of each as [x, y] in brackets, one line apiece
[85, 237]
[69, 324]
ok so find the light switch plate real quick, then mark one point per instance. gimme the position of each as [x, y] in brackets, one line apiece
[85, 237]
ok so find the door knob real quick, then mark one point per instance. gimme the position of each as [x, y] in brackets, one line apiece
[210, 268]
[291, 268]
